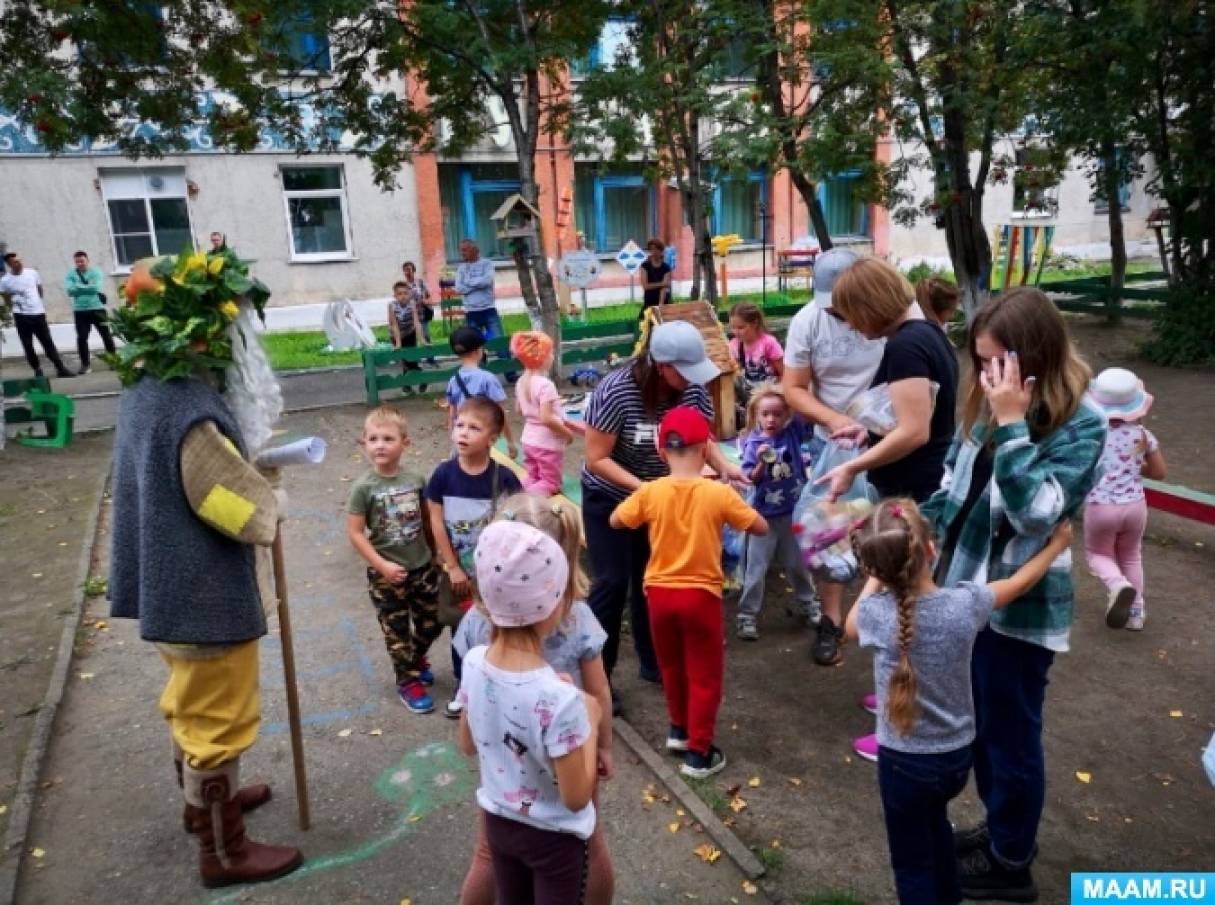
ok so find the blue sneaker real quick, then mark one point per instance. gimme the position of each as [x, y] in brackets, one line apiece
[426, 675]
[413, 695]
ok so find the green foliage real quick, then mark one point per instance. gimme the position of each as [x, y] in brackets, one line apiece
[181, 322]
[1184, 330]
[831, 897]
[923, 271]
[95, 586]
[773, 859]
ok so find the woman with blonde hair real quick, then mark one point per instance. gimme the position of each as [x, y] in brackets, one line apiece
[1024, 459]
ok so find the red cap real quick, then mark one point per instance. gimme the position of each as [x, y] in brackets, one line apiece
[681, 427]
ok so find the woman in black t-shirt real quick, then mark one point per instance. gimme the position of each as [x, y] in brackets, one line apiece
[656, 276]
[875, 299]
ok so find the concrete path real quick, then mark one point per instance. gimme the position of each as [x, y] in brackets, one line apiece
[392, 801]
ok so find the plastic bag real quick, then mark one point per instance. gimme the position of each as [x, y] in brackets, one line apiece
[733, 546]
[1208, 760]
[822, 526]
[875, 411]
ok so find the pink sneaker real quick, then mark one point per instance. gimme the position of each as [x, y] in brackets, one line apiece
[869, 703]
[867, 747]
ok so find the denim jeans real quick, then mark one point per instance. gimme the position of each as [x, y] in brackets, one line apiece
[618, 559]
[489, 323]
[1009, 677]
[916, 790]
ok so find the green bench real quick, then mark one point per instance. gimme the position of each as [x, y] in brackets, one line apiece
[54, 411]
[580, 343]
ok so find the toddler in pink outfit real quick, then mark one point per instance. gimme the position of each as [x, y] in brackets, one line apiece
[545, 434]
[1115, 513]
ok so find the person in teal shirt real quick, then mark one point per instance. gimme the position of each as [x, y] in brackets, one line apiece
[83, 286]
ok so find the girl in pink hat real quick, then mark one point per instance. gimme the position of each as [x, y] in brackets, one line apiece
[1115, 513]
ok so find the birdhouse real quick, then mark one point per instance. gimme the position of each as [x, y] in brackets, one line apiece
[721, 389]
[516, 219]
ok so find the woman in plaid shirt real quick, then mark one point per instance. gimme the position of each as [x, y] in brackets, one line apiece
[1025, 457]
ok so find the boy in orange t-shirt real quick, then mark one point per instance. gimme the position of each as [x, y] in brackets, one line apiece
[685, 513]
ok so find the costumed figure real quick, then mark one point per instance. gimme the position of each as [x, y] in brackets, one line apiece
[190, 514]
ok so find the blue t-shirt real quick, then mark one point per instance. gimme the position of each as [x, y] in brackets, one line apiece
[479, 383]
[467, 501]
[780, 483]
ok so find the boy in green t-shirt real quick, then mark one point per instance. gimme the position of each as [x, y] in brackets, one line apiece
[387, 526]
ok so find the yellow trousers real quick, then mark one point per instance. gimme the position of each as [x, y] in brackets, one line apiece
[212, 703]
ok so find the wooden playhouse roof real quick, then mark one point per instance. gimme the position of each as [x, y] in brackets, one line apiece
[703, 317]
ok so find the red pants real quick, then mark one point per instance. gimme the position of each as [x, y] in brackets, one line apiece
[688, 637]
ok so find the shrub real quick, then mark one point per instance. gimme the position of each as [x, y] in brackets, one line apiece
[1184, 329]
[922, 271]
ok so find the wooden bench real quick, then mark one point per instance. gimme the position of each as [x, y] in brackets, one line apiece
[593, 342]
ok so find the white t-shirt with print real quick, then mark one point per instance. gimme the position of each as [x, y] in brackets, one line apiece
[23, 287]
[578, 638]
[843, 361]
[521, 722]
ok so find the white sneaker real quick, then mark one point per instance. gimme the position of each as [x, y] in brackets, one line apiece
[1118, 607]
[453, 709]
[1134, 622]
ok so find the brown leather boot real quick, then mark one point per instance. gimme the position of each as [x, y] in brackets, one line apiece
[250, 797]
[225, 854]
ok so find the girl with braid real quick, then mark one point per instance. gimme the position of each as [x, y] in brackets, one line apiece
[923, 636]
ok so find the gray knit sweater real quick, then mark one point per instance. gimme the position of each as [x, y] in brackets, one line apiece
[184, 581]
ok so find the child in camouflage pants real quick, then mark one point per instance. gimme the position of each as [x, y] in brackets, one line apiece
[386, 525]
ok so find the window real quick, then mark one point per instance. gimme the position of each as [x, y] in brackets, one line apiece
[845, 213]
[147, 211]
[306, 46]
[614, 38]
[315, 200]
[738, 204]
[1035, 184]
[613, 205]
[1101, 205]
[469, 194]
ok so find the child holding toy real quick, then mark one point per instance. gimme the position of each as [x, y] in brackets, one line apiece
[1115, 512]
[534, 734]
[685, 513]
[545, 434]
[772, 459]
[923, 637]
[386, 527]
[574, 649]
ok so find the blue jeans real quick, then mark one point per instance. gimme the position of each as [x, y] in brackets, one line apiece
[1009, 677]
[618, 559]
[916, 790]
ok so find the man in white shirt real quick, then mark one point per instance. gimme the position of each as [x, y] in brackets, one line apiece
[21, 287]
[827, 365]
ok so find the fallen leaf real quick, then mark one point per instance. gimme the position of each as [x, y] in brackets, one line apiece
[376, 732]
[101, 625]
[38, 853]
[753, 782]
[1176, 714]
[87, 675]
[1093, 817]
[673, 826]
[707, 853]
[406, 901]
[647, 795]
[35, 575]
[680, 812]
[3, 809]
[1084, 776]
[734, 789]
[728, 821]
[344, 733]
[414, 818]
[794, 781]
[737, 804]
[750, 888]
[776, 843]
[847, 760]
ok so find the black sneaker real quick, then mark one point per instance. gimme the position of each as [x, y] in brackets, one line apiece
[982, 877]
[677, 739]
[967, 841]
[702, 766]
[649, 675]
[826, 648]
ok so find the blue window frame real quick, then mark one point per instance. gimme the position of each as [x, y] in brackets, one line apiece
[737, 205]
[613, 206]
[845, 213]
[615, 34]
[469, 193]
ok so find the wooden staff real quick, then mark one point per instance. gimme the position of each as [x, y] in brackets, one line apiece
[293, 698]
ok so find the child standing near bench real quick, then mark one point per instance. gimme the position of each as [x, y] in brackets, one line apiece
[472, 380]
[545, 435]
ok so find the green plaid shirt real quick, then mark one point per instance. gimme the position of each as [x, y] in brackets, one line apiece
[1033, 487]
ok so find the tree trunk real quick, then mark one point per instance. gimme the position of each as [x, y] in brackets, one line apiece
[818, 220]
[969, 250]
[535, 280]
[1111, 178]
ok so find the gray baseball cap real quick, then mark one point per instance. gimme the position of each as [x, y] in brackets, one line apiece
[680, 344]
[827, 269]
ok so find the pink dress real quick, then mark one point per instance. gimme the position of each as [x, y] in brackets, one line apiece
[758, 358]
[543, 449]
